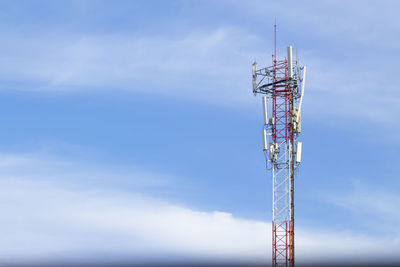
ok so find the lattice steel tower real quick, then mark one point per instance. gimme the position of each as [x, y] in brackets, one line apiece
[283, 87]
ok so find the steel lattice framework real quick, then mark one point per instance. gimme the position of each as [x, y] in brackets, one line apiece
[283, 85]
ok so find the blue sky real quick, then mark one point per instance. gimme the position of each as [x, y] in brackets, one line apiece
[129, 130]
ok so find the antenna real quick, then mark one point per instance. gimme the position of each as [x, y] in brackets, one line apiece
[254, 76]
[265, 108]
[303, 82]
[290, 65]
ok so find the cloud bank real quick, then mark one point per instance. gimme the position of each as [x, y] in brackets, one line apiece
[46, 220]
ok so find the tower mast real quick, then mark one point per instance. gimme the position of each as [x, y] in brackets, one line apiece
[283, 87]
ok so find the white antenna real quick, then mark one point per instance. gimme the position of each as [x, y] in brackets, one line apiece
[265, 107]
[265, 140]
[254, 76]
[298, 152]
[290, 62]
[303, 82]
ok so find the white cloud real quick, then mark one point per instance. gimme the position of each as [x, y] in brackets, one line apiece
[351, 92]
[45, 219]
[211, 66]
[364, 201]
[45, 222]
[317, 245]
[201, 65]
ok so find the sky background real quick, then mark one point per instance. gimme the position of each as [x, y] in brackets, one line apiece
[129, 131]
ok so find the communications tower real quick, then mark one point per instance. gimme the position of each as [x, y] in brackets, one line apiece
[282, 85]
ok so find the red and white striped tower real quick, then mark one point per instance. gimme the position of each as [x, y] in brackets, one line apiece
[283, 87]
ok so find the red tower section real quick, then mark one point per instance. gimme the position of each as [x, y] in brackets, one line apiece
[282, 134]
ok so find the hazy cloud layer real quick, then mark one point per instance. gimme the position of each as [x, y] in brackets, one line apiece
[351, 60]
[366, 201]
[199, 66]
[54, 221]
